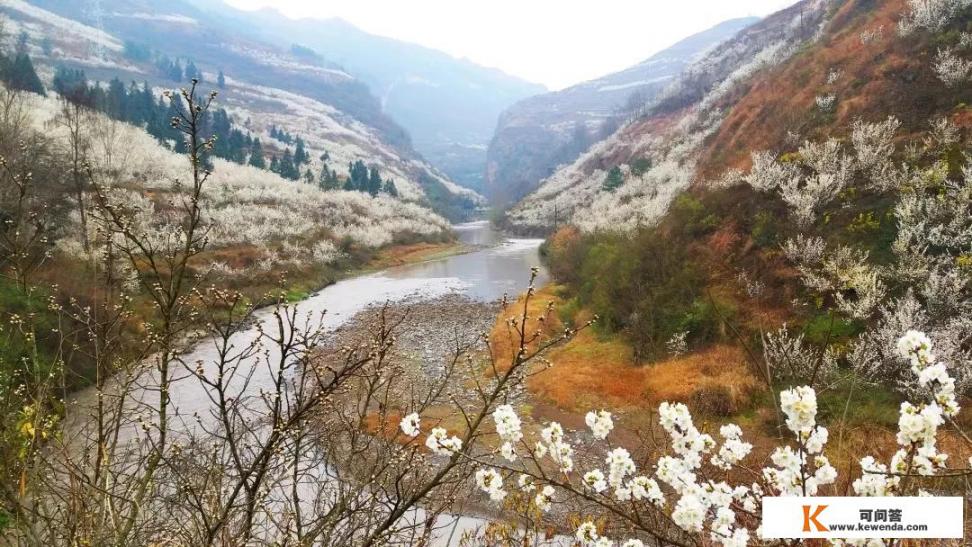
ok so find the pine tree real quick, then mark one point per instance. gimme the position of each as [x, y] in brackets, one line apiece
[390, 188]
[614, 180]
[256, 155]
[357, 177]
[374, 182]
[286, 167]
[21, 75]
[300, 155]
[175, 71]
[221, 80]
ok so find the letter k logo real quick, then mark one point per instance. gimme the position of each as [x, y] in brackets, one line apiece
[808, 518]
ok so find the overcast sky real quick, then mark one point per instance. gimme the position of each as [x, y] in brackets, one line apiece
[554, 42]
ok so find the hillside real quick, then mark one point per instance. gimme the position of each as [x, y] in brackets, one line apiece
[807, 72]
[448, 106]
[537, 134]
[265, 86]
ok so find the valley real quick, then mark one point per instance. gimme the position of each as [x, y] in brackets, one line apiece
[270, 279]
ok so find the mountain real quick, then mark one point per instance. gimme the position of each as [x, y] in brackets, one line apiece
[267, 86]
[539, 133]
[449, 106]
[808, 72]
[653, 156]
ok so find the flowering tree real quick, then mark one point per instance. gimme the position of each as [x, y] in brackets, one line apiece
[703, 489]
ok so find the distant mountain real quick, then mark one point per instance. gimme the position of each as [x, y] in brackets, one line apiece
[267, 85]
[449, 106]
[811, 72]
[537, 134]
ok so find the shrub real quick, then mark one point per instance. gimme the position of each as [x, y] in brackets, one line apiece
[714, 399]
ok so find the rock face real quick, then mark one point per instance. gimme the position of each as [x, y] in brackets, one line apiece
[537, 134]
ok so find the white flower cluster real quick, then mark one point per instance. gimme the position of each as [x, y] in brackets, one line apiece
[490, 481]
[588, 536]
[600, 423]
[951, 69]
[826, 103]
[733, 449]
[932, 15]
[917, 348]
[440, 443]
[796, 473]
[508, 428]
[410, 425]
[560, 451]
[917, 424]
[699, 502]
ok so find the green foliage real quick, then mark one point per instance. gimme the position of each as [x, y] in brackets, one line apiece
[645, 287]
[14, 346]
[640, 166]
[19, 73]
[864, 223]
[614, 179]
[137, 51]
[828, 328]
[693, 218]
[869, 405]
[763, 231]
[568, 310]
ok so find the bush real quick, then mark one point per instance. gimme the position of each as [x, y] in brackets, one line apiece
[614, 179]
[714, 399]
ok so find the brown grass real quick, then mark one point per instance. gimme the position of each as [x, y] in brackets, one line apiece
[891, 76]
[412, 253]
[599, 370]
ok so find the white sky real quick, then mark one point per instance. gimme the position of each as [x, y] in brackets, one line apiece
[553, 42]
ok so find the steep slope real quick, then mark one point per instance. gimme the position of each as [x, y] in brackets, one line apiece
[266, 86]
[654, 156]
[537, 134]
[807, 72]
[449, 106]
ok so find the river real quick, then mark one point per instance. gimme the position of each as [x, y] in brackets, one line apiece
[498, 265]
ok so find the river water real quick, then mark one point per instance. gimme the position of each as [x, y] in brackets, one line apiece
[498, 265]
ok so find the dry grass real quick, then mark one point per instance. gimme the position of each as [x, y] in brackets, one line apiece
[399, 255]
[597, 370]
[891, 76]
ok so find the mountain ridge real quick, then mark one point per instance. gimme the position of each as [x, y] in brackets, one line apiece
[449, 105]
[536, 134]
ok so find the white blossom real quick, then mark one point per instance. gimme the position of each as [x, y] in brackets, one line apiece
[410, 425]
[600, 423]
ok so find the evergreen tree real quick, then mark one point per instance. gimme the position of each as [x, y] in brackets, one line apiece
[221, 80]
[286, 167]
[22, 42]
[390, 188]
[21, 75]
[308, 177]
[614, 180]
[192, 71]
[256, 155]
[357, 177]
[175, 71]
[115, 100]
[300, 155]
[73, 86]
[374, 182]
[274, 165]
